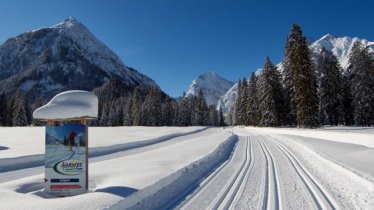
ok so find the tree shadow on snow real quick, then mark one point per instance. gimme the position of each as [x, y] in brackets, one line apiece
[118, 190]
[3, 148]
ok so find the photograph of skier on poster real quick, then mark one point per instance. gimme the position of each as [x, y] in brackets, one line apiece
[71, 139]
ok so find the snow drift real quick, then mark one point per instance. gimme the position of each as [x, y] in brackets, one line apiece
[69, 104]
[168, 191]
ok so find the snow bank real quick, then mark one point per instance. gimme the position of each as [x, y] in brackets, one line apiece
[168, 191]
[10, 164]
[69, 104]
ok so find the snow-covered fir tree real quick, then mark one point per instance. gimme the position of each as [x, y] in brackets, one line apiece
[362, 84]
[3, 109]
[300, 69]
[136, 106]
[252, 104]
[330, 89]
[267, 97]
[20, 115]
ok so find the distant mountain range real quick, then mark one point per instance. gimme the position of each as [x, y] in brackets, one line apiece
[339, 46]
[66, 56]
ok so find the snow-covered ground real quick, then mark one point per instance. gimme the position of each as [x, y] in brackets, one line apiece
[213, 168]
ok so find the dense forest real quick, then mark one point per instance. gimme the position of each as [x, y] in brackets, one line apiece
[304, 93]
[307, 93]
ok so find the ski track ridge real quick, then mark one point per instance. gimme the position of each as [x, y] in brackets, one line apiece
[320, 196]
[239, 176]
[272, 198]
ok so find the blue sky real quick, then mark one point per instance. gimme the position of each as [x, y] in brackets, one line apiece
[173, 41]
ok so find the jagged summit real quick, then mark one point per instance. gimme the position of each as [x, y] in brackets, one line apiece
[340, 46]
[212, 85]
[61, 57]
[68, 23]
[327, 37]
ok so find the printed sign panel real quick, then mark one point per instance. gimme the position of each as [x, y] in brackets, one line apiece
[66, 159]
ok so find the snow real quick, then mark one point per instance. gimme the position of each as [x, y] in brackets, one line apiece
[113, 179]
[69, 104]
[26, 141]
[262, 168]
[340, 46]
[226, 101]
[212, 85]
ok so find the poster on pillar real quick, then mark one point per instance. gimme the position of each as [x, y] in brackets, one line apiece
[66, 159]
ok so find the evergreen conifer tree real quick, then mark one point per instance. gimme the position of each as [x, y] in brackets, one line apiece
[330, 89]
[362, 84]
[3, 109]
[300, 80]
[267, 103]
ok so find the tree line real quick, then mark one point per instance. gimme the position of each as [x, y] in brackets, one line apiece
[151, 107]
[306, 93]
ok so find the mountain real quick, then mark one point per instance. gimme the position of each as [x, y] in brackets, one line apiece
[66, 56]
[212, 85]
[340, 46]
[226, 101]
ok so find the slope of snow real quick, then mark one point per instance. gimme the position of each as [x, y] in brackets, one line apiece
[212, 85]
[114, 179]
[226, 101]
[69, 104]
[340, 46]
[270, 168]
[27, 141]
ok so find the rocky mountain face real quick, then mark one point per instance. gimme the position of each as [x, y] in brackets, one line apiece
[66, 56]
[212, 85]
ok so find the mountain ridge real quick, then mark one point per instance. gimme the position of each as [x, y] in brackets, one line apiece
[65, 56]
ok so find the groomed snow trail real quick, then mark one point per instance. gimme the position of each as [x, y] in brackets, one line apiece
[220, 189]
[261, 174]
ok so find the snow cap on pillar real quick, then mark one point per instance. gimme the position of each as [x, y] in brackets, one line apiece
[69, 105]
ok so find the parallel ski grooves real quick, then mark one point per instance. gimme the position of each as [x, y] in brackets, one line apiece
[272, 198]
[320, 196]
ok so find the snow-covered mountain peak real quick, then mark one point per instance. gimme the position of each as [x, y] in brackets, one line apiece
[68, 23]
[212, 85]
[61, 57]
[327, 37]
[340, 46]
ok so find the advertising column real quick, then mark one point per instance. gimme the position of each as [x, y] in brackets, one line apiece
[66, 166]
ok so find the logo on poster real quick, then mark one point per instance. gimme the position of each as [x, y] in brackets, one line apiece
[69, 167]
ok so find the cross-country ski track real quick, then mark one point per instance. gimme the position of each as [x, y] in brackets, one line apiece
[202, 168]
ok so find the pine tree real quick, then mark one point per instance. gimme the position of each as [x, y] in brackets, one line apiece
[347, 98]
[362, 84]
[242, 100]
[201, 109]
[300, 80]
[127, 120]
[3, 109]
[252, 105]
[136, 107]
[112, 117]
[330, 89]
[19, 117]
[167, 112]
[221, 118]
[104, 114]
[38, 103]
[267, 103]
[183, 116]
